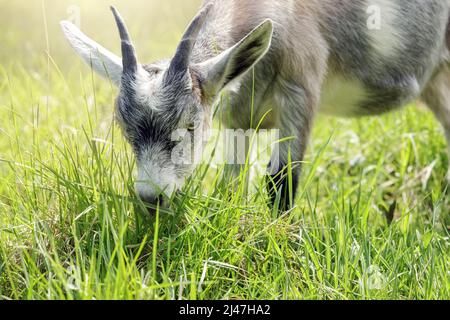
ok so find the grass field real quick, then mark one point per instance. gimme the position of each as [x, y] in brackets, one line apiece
[372, 213]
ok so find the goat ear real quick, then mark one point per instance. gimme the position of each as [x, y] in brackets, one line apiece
[104, 62]
[230, 65]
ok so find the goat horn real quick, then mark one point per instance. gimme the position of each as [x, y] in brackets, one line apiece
[180, 62]
[129, 57]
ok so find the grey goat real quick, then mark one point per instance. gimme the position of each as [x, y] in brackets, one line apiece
[338, 57]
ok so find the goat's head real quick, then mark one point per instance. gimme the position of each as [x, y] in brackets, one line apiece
[164, 108]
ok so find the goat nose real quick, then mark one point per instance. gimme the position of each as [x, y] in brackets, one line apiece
[152, 199]
[152, 202]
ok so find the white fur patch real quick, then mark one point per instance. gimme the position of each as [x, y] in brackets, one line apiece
[145, 88]
[341, 97]
[156, 174]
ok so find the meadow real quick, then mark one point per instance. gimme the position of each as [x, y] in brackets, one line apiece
[371, 219]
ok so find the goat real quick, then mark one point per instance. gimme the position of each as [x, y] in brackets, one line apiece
[303, 54]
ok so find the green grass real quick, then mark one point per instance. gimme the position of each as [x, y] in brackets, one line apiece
[71, 226]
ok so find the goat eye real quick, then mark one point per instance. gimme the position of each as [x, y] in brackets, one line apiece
[191, 127]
